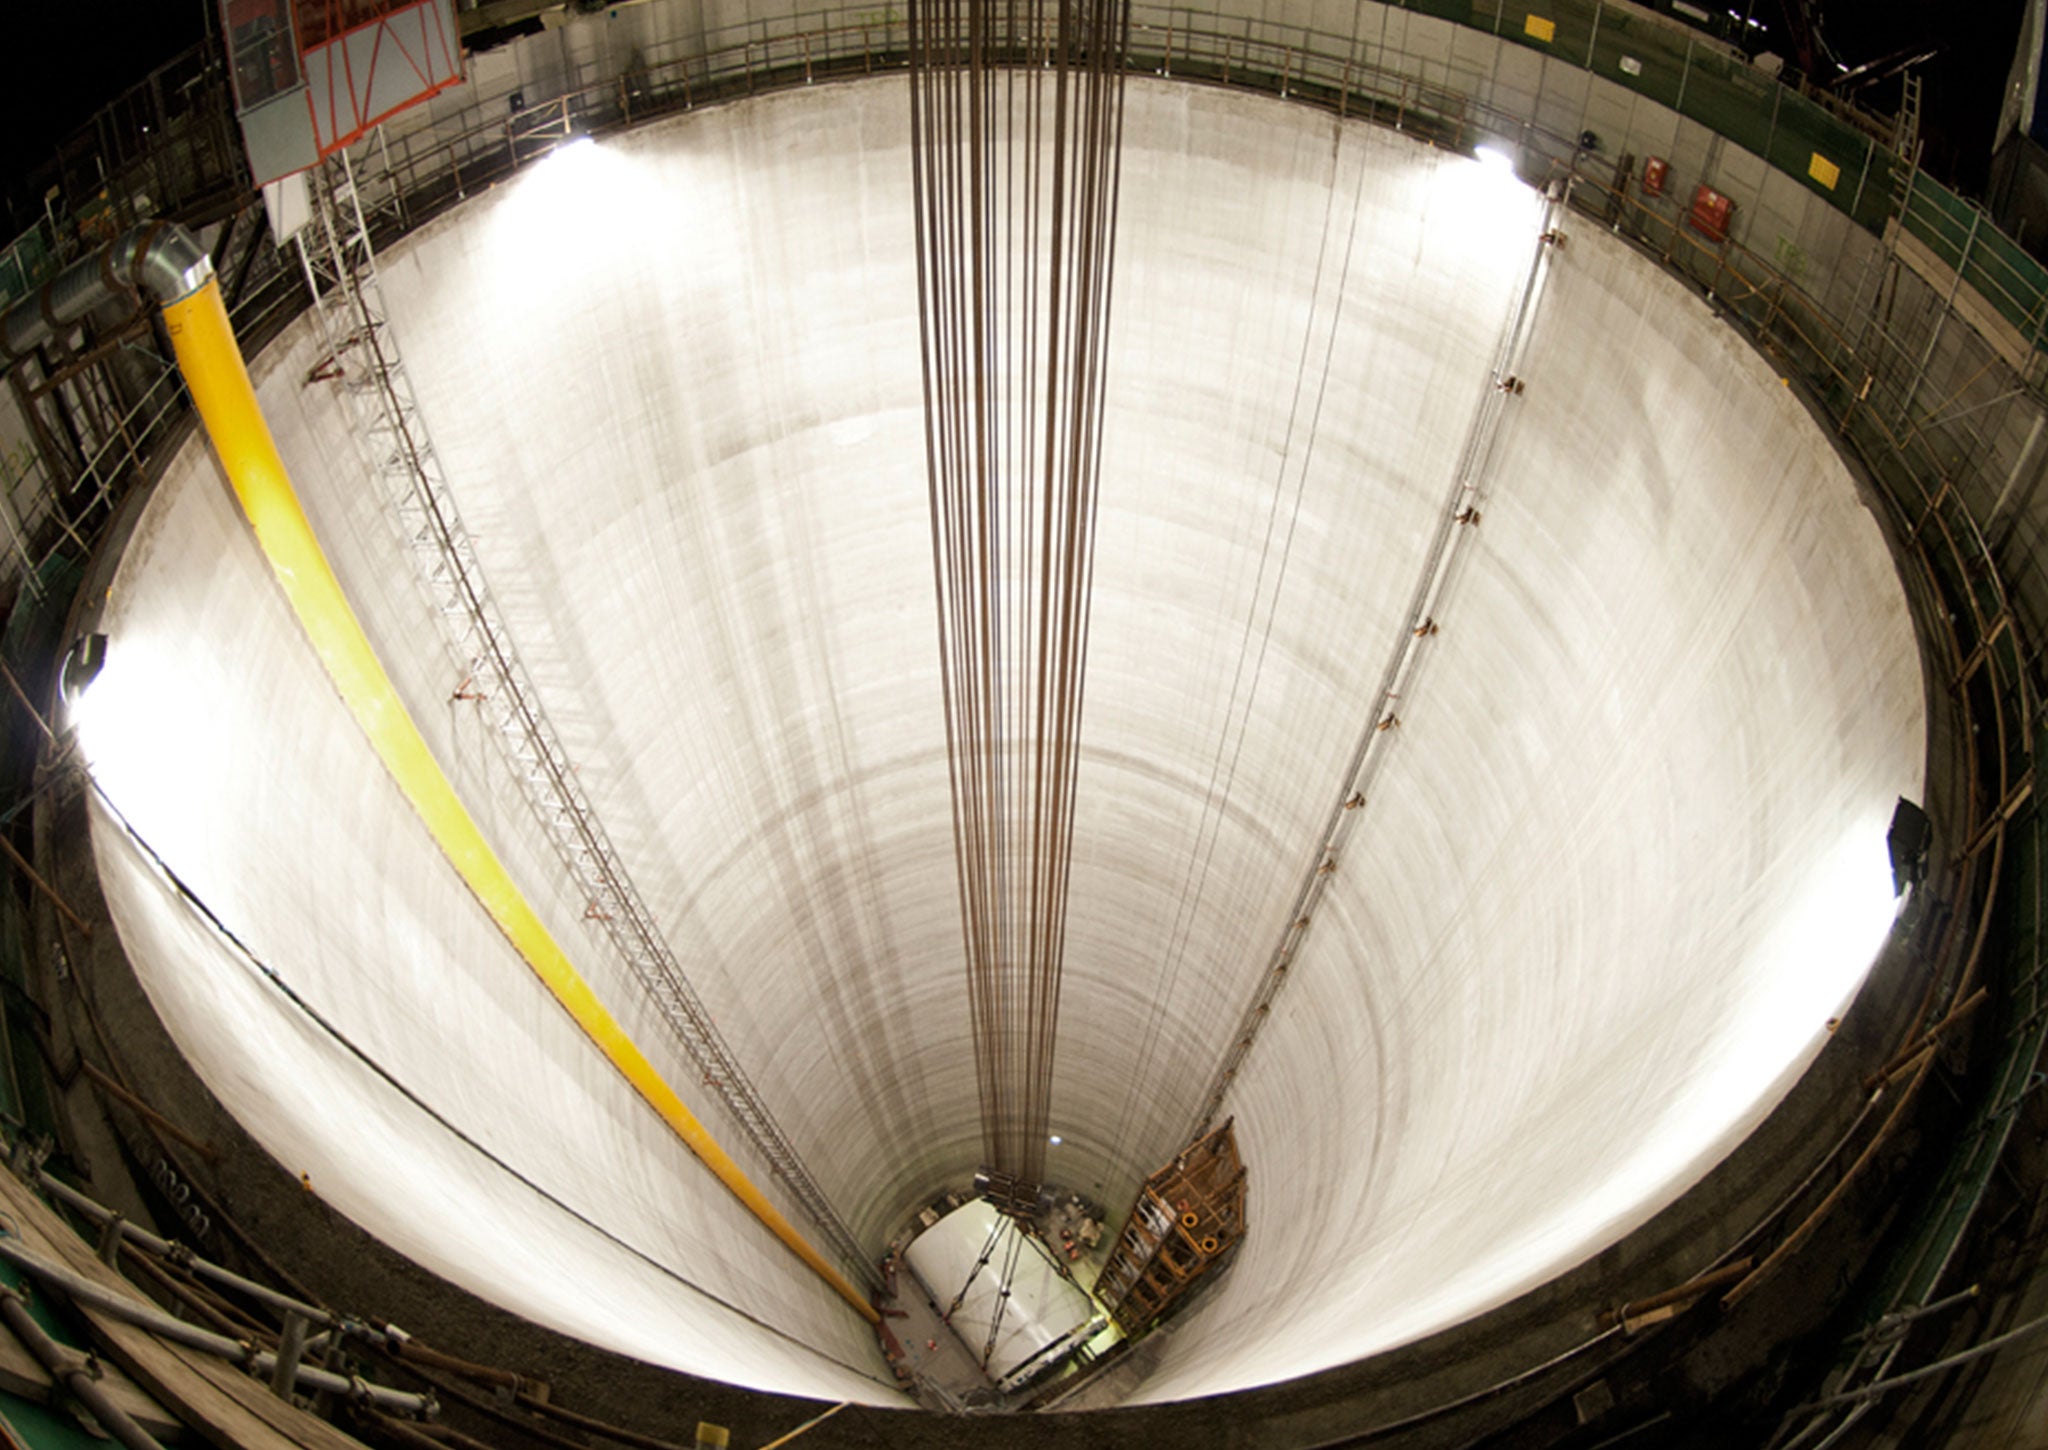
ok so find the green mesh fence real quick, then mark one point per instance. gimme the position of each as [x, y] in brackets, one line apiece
[1966, 241]
[27, 263]
[1699, 78]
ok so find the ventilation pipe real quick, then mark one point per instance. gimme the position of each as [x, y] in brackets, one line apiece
[161, 260]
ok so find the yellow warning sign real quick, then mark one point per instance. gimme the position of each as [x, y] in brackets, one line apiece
[1545, 30]
[1824, 171]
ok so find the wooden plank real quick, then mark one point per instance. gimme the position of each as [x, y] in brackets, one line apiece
[23, 1376]
[214, 1398]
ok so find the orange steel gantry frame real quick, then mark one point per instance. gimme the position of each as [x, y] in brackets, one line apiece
[1188, 1217]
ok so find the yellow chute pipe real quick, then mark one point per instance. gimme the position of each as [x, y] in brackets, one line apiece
[214, 371]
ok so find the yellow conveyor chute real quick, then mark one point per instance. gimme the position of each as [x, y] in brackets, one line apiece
[219, 380]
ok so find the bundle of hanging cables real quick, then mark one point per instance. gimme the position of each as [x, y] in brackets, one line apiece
[1016, 127]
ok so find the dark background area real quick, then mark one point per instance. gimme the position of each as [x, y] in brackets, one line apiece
[69, 58]
[1964, 84]
[73, 56]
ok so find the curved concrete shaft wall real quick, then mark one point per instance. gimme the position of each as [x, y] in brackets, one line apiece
[1626, 858]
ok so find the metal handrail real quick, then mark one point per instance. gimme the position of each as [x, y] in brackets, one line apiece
[128, 454]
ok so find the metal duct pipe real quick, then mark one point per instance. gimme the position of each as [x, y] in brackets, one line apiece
[65, 1368]
[148, 1317]
[161, 260]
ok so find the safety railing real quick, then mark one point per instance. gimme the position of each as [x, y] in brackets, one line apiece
[1779, 118]
[429, 166]
[1836, 151]
[41, 519]
[1964, 239]
[27, 262]
[167, 143]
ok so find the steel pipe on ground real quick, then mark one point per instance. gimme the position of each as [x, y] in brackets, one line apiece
[147, 1317]
[142, 1238]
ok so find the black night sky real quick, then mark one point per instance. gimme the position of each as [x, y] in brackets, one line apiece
[1964, 83]
[70, 57]
[80, 53]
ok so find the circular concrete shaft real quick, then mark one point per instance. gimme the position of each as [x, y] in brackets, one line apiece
[1624, 862]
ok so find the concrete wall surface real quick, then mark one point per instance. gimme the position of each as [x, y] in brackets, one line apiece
[1626, 860]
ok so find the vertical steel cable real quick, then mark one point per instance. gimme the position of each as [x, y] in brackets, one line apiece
[1017, 120]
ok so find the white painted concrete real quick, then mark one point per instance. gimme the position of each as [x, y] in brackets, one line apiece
[1625, 861]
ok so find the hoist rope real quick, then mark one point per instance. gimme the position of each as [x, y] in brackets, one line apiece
[1016, 122]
